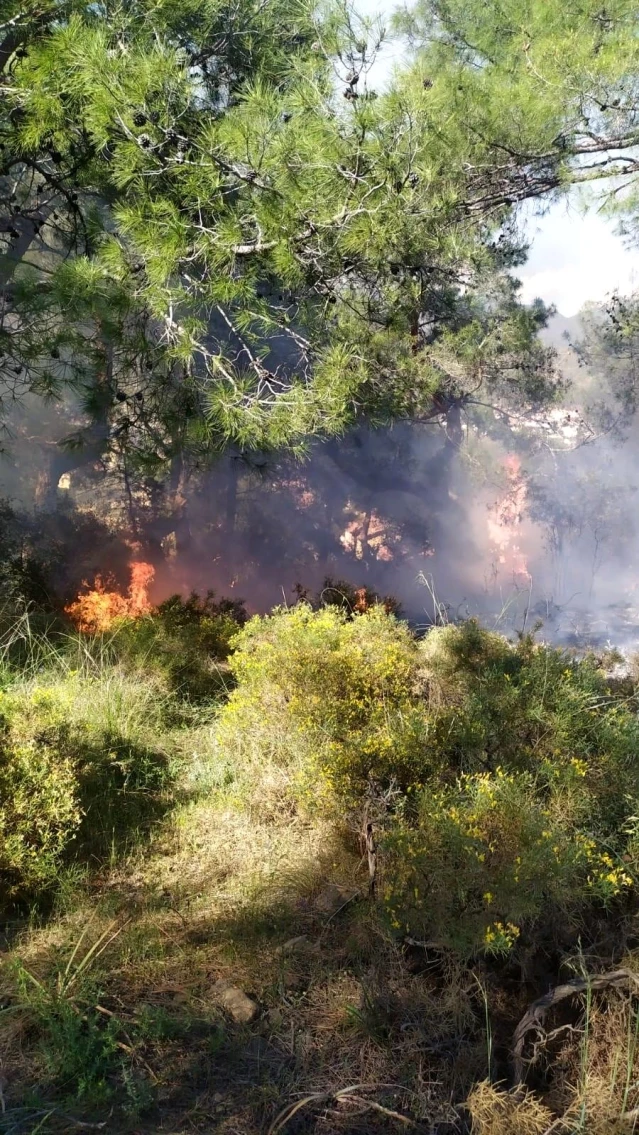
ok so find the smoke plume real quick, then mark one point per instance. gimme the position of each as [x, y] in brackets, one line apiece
[512, 525]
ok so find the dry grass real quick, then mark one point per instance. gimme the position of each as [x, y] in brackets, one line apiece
[497, 1112]
[590, 1065]
[221, 893]
[369, 1035]
[598, 1069]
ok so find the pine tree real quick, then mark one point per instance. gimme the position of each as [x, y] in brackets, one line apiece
[214, 231]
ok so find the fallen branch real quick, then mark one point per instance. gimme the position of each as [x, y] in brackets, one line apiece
[343, 1095]
[535, 1015]
[372, 1105]
[430, 944]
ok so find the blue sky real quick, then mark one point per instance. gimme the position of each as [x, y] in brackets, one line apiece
[576, 255]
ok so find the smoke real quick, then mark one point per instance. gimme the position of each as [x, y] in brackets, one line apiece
[510, 526]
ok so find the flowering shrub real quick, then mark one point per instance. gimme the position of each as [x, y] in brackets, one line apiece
[329, 696]
[513, 765]
[524, 706]
[472, 862]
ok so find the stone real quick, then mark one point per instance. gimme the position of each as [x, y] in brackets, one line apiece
[234, 1001]
[332, 897]
[300, 945]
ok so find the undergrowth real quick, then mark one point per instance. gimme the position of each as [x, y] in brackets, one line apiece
[390, 846]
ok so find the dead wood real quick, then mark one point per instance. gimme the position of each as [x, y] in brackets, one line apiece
[534, 1017]
[371, 852]
[345, 1096]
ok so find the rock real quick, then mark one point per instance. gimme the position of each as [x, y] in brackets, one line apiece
[332, 897]
[299, 945]
[235, 1002]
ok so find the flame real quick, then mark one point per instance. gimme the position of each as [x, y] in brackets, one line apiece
[96, 610]
[368, 535]
[505, 519]
[361, 600]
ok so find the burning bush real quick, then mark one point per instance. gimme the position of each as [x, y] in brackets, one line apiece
[349, 598]
[99, 607]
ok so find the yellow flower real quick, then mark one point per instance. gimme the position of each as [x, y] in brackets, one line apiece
[488, 897]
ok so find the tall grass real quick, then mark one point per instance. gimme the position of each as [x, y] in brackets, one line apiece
[92, 746]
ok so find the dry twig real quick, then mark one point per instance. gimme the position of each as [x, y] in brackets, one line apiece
[535, 1015]
[343, 1095]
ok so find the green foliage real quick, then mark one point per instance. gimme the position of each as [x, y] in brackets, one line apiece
[183, 641]
[79, 1050]
[329, 696]
[501, 780]
[528, 708]
[227, 246]
[82, 772]
[39, 811]
[510, 768]
[469, 865]
[536, 75]
[87, 1053]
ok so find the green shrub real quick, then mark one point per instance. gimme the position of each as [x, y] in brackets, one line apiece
[470, 864]
[39, 801]
[530, 707]
[78, 1045]
[512, 768]
[183, 641]
[82, 773]
[80, 1051]
[330, 697]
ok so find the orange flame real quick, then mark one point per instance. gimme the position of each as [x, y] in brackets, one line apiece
[368, 535]
[96, 610]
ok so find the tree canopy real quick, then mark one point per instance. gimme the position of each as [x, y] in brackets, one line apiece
[214, 230]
